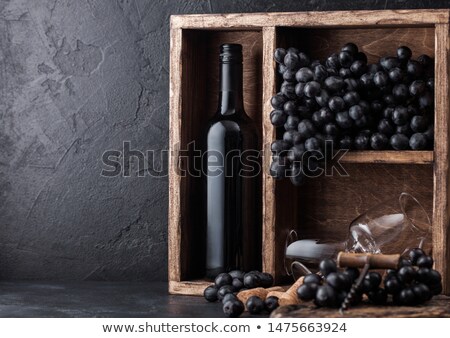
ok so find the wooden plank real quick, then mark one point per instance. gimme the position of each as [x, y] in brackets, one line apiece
[441, 208]
[174, 221]
[269, 84]
[312, 19]
[191, 288]
[388, 157]
[438, 307]
[376, 42]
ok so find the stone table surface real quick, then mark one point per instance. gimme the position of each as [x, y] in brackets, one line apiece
[99, 299]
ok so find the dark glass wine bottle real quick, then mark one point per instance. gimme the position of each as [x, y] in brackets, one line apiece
[233, 226]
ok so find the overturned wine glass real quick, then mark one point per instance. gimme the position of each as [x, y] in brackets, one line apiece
[393, 226]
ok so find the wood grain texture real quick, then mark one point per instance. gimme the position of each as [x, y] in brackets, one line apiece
[392, 157]
[441, 208]
[192, 288]
[325, 206]
[269, 80]
[438, 307]
[174, 217]
[312, 19]
[319, 43]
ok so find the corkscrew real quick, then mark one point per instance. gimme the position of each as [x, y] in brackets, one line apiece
[366, 261]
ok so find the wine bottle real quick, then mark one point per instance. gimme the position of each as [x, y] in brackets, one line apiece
[233, 229]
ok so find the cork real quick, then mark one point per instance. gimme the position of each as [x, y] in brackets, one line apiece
[290, 296]
[277, 294]
[246, 294]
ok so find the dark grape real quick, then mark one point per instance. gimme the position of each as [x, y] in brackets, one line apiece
[351, 84]
[312, 278]
[392, 285]
[279, 55]
[358, 67]
[210, 293]
[327, 266]
[422, 292]
[292, 123]
[389, 63]
[223, 279]
[385, 127]
[333, 61]
[278, 118]
[237, 283]
[271, 303]
[406, 274]
[251, 280]
[323, 98]
[400, 115]
[378, 296]
[312, 144]
[351, 48]
[414, 255]
[224, 290]
[425, 60]
[278, 146]
[426, 101]
[278, 101]
[367, 80]
[379, 141]
[336, 104]
[312, 89]
[380, 79]
[334, 83]
[345, 73]
[289, 75]
[306, 129]
[297, 175]
[404, 53]
[423, 275]
[255, 305]
[307, 292]
[292, 137]
[425, 262]
[291, 60]
[320, 73]
[400, 92]
[233, 308]
[304, 75]
[399, 142]
[325, 296]
[353, 273]
[331, 129]
[396, 75]
[322, 117]
[228, 297]
[351, 98]
[407, 297]
[362, 141]
[355, 112]
[237, 274]
[303, 59]
[295, 154]
[345, 59]
[300, 89]
[418, 141]
[405, 130]
[414, 69]
[417, 87]
[360, 56]
[343, 120]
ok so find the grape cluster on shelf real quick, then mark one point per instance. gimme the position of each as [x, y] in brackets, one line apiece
[227, 285]
[356, 105]
[414, 283]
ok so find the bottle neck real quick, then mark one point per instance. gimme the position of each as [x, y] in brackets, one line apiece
[230, 91]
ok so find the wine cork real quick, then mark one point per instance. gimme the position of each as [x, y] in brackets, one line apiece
[277, 294]
[276, 288]
[246, 294]
[290, 296]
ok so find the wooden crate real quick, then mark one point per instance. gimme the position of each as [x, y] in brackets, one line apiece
[323, 207]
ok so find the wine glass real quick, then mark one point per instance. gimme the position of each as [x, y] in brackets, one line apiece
[393, 226]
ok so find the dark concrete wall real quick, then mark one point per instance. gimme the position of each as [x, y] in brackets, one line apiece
[78, 77]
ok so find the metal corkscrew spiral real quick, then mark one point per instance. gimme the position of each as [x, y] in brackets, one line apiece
[351, 294]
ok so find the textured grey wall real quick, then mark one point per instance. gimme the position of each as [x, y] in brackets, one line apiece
[78, 77]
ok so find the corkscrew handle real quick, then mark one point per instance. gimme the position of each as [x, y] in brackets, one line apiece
[375, 261]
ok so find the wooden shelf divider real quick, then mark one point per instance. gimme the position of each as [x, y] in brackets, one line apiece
[389, 157]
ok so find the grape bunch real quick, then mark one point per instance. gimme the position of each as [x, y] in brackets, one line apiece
[227, 285]
[414, 283]
[353, 104]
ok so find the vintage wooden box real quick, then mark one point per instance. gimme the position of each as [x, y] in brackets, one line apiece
[324, 206]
